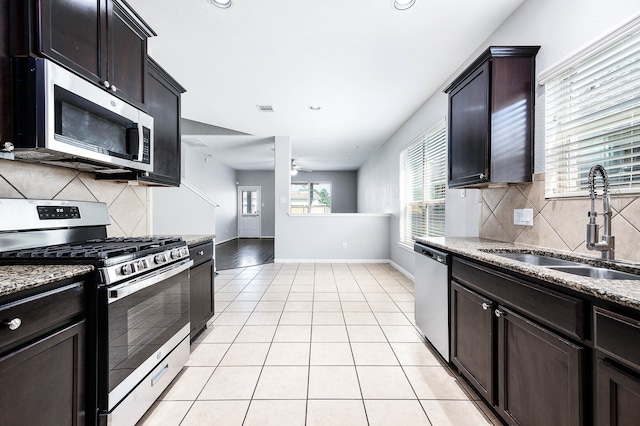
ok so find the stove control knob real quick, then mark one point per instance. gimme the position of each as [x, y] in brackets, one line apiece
[175, 254]
[142, 265]
[127, 269]
[160, 258]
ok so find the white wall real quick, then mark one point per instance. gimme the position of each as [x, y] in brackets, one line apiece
[561, 28]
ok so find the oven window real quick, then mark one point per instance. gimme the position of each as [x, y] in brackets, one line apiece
[142, 322]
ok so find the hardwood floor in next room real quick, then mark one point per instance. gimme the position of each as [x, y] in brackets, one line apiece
[243, 252]
[315, 344]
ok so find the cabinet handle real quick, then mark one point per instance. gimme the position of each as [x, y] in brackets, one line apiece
[14, 324]
[486, 306]
[106, 84]
[113, 88]
[481, 175]
[499, 313]
[200, 252]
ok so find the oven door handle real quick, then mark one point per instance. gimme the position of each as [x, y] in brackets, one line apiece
[117, 292]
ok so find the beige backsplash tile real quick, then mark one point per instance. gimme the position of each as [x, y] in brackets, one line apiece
[127, 205]
[560, 224]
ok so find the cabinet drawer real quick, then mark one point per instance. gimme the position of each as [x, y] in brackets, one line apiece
[201, 253]
[617, 336]
[40, 313]
[557, 310]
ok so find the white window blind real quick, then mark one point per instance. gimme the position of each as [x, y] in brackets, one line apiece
[423, 181]
[592, 116]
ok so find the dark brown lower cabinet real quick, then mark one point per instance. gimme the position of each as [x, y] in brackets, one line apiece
[43, 383]
[617, 395]
[472, 345]
[540, 374]
[530, 374]
[201, 287]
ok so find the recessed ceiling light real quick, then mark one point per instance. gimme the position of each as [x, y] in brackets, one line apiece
[223, 4]
[315, 107]
[265, 108]
[403, 4]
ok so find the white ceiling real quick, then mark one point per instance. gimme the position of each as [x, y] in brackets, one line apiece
[368, 65]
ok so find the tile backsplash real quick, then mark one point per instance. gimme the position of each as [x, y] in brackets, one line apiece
[557, 224]
[127, 204]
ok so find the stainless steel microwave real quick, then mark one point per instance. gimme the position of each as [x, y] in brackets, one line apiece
[62, 119]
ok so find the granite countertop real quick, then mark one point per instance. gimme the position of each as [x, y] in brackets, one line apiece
[193, 240]
[623, 292]
[14, 279]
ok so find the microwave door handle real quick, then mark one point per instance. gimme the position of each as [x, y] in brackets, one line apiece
[140, 142]
[118, 292]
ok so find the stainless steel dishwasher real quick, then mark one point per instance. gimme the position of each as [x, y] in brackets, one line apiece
[431, 274]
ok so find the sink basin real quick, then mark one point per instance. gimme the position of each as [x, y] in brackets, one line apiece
[537, 259]
[569, 266]
[594, 272]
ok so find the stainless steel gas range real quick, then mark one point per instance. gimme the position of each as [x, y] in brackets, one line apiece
[137, 302]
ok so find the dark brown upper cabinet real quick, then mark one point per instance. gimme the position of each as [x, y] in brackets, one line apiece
[105, 41]
[491, 119]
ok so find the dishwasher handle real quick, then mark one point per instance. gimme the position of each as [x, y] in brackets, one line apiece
[437, 255]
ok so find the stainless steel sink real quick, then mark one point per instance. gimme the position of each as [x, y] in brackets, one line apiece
[537, 259]
[570, 267]
[595, 272]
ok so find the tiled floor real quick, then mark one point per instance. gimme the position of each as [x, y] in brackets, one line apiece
[314, 344]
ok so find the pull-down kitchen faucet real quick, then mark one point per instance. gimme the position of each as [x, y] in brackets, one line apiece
[606, 245]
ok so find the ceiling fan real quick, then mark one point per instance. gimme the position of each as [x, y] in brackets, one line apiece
[296, 168]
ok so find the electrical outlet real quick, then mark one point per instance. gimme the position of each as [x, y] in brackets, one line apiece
[523, 217]
[463, 193]
[344, 246]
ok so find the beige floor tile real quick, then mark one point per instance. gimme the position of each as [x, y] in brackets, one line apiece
[397, 413]
[404, 296]
[355, 306]
[231, 383]
[228, 413]
[288, 354]
[220, 306]
[264, 318]
[273, 296]
[292, 306]
[331, 354]
[406, 307]
[434, 383]
[320, 306]
[276, 306]
[402, 334]
[256, 333]
[328, 318]
[282, 383]
[384, 383]
[392, 318]
[239, 306]
[221, 333]
[188, 384]
[302, 288]
[300, 297]
[373, 354]
[360, 318]
[293, 333]
[276, 413]
[365, 333]
[352, 297]
[240, 354]
[414, 354]
[377, 296]
[336, 413]
[334, 382]
[454, 413]
[231, 318]
[164, 413]
[226, 297]
[383, 306]
[207, 354]
[329, 333]
[295, 318]
[326, 297]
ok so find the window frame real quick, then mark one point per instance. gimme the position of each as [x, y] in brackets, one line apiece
[310, 205]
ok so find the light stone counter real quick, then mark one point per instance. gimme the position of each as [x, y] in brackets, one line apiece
[14, 279]
[193, 240]
[623, 292]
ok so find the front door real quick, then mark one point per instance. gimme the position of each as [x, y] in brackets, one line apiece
[249, 212]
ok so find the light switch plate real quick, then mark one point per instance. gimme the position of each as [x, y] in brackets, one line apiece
[523, 217]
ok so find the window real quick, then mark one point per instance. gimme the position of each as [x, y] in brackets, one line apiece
[310, 197]
[423, 181]
[592, 103]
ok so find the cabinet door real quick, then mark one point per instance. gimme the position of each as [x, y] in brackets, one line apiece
[73, 32]
[469, 125]
[201, 287]
[540, 374]
[127, 55]
[618, 396]
[472, 330]
[43, 383]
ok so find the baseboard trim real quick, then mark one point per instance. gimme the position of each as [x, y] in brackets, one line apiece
[226, 241]
[332, 261]
[402, 270]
